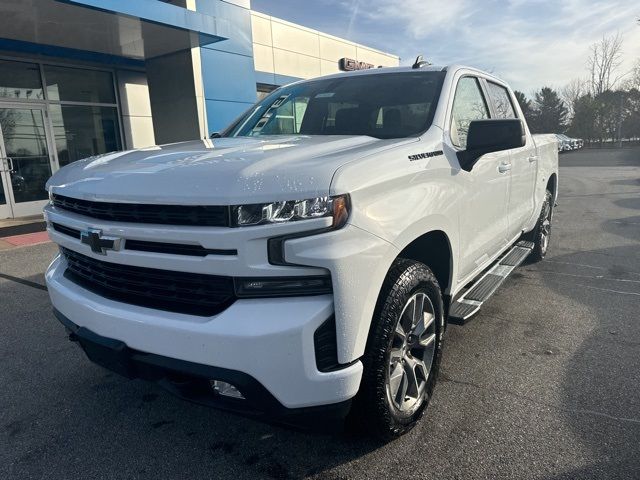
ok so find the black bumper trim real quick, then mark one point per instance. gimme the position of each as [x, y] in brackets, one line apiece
[190, 381]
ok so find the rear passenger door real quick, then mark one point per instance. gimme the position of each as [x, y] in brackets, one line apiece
[483, 211]
[523, 163]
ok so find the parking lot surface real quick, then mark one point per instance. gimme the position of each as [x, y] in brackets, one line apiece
[543, 384]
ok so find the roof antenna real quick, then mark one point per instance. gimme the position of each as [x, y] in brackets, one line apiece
[420, 62]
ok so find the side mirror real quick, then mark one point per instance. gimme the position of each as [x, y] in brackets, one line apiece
[486, 136]
[215, 135]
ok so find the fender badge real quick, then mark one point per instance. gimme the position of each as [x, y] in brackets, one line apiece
[420, 156]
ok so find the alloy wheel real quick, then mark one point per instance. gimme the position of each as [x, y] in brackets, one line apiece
[412, 352]
[545, 229]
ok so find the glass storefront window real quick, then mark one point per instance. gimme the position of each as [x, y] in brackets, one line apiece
[82, 131]
[20, 81]
[25, 143]
[78, 85]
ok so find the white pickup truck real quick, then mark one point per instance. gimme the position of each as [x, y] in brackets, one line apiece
[305, 262]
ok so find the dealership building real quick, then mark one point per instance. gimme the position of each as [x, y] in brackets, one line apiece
[81, 78]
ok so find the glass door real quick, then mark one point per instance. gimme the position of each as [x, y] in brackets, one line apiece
[26, 160]
[5, 206]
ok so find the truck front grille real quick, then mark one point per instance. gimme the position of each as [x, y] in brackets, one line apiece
[191, 215]
[180, 292]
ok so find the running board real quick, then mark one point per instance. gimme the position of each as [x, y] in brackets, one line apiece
[467, 305]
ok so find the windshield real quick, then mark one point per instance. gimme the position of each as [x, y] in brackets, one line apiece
[384, 105]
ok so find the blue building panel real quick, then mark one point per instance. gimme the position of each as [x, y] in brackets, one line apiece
[71, 53]
[266, 77]
[285, 79]
[275, 78]
[220, 114]
[232, 22]
[228, 72]
[158, 12]
[228, 76]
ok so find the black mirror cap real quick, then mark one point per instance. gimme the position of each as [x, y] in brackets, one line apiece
[215, 135]
[494, 135]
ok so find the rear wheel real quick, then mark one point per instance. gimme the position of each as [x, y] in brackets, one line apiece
[541, 235]
[403, 351]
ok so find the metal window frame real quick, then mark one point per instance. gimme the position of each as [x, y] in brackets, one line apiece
[483, 94]
[46, 102]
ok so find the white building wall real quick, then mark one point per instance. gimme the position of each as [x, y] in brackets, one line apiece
[135, 108]
[284, 48]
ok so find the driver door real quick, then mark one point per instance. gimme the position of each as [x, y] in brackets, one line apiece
[483, 207]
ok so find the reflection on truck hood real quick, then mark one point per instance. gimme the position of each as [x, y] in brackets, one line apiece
[220, 171]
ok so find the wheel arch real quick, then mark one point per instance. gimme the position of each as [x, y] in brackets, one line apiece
[434, 250]
[552, 185]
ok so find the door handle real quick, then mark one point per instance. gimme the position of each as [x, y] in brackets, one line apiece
[10, 164]
[504, 167]
[532, 158]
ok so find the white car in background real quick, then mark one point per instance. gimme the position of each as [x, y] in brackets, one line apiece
[569, 143]
[564, 143]
[306, 262]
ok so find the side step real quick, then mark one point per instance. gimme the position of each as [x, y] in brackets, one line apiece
[467, 305]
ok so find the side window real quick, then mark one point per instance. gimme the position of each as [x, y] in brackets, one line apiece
[501, 101]
[468, 105]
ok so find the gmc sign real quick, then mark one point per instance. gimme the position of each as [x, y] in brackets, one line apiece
[349, 64]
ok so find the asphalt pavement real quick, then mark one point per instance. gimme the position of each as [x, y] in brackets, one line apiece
[543, 384]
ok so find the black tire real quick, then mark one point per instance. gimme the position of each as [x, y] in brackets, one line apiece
[540, 235]
[374, 409]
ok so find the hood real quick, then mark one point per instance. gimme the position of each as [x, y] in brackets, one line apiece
[223, 171]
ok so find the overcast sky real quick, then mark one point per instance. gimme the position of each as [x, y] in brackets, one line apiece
[530, 43]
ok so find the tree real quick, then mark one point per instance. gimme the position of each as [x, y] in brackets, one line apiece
[525, 105]
[610, 107]
[550, 112]
[603, 63]
[631, 122]
[571, 92]
[634, 78]
[584, 112]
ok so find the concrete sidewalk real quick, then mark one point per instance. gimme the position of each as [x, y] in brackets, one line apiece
[18, 232]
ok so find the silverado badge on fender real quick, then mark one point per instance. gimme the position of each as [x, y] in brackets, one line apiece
[420, 156]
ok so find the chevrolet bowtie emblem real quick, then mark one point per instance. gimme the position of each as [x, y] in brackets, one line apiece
[99, 244]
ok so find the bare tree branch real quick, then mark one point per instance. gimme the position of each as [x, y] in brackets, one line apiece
[603, 63]
[572, 91]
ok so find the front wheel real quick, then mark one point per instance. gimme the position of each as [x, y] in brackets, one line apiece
[403, 351]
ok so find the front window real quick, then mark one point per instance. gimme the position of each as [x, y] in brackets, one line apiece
[384, 105]
[468, 105]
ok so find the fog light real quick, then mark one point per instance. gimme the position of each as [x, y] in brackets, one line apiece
[226, 389]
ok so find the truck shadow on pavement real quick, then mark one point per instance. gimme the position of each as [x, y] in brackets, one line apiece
[602, 376]
[152, 423]
[600, 385]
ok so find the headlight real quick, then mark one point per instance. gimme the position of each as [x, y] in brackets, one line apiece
[290, 211]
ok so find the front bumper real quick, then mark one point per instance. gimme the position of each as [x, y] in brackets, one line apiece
[270, 340]
[191, 381]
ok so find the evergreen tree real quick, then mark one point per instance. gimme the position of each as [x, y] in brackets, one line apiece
[583, 124]
[550, 112]
[525, 105]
